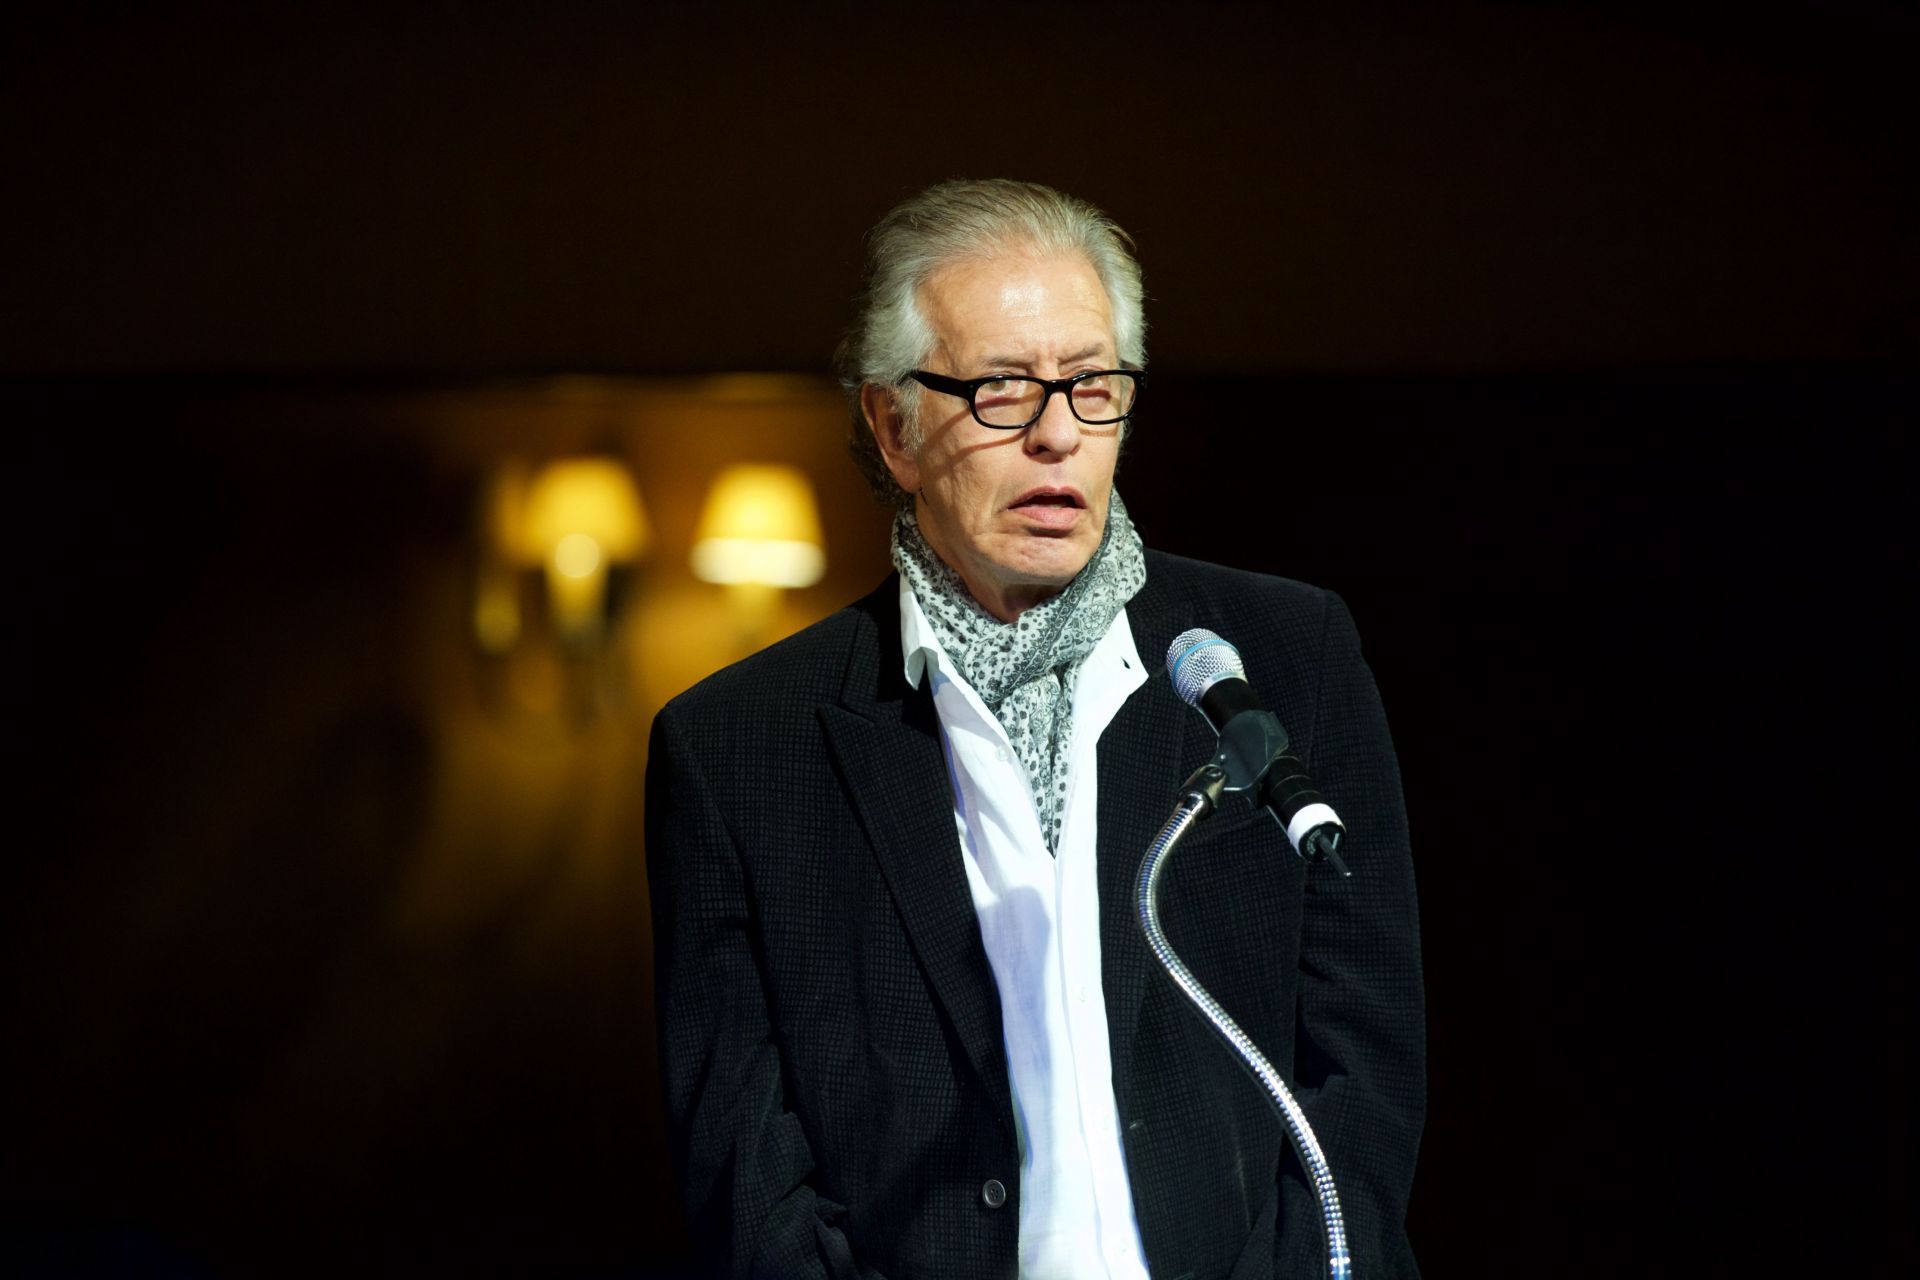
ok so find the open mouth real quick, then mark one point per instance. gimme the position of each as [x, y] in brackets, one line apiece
[1051, 510]
[1049, 498]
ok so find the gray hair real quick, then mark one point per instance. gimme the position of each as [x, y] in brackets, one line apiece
[956, 222]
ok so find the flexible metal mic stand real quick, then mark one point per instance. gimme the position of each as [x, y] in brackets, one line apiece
[1199, 796]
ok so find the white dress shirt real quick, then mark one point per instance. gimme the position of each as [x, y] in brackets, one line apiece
[1040, 921]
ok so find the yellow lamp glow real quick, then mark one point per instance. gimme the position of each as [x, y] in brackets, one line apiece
[761, 526]
[591, 496]
[582, 516]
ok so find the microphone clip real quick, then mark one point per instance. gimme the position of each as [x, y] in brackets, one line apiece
[1253, 757]
[1249, 744]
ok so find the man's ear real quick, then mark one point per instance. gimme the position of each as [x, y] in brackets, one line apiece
[889, 429]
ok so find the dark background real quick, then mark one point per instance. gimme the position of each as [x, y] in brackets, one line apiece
[1574, 346]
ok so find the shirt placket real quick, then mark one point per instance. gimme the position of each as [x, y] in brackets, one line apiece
[1118, 1245]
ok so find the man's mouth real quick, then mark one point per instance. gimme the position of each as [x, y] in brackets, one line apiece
[1050, 508]
[1049, 498]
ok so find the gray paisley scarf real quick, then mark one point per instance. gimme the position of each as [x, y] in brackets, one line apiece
[1025, 670]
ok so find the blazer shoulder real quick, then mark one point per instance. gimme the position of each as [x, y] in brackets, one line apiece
[1206, 591]
[792, 677]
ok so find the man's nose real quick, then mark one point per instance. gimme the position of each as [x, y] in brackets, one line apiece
[1057, 430]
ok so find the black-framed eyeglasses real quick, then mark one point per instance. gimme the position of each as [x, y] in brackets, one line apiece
[1011, 402]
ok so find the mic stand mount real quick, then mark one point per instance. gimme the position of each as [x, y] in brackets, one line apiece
[1253, 755]
[1200, 795]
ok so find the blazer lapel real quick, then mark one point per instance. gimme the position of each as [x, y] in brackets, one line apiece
[1145, 753]
[885, 740]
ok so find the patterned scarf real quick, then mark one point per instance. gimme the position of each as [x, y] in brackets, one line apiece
[1025, 670]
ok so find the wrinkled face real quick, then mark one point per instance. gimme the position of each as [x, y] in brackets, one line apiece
[1017, 513]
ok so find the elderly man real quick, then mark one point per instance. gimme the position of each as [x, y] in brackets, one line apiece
[909, 1026]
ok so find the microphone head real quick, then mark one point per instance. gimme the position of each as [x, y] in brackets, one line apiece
[1199, 659]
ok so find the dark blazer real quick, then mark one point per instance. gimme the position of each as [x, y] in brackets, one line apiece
[830, 1032]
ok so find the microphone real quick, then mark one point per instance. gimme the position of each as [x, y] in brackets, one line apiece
[1209, 676]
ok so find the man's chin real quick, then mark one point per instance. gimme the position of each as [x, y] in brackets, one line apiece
[1054, 564]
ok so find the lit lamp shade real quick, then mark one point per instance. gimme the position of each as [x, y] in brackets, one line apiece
[583, 512]
[761, 526]
[583, 515]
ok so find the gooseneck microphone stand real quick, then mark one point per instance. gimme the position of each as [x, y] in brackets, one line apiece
[1199, 796]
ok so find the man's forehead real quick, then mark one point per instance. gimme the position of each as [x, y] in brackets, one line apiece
[1003, 266]
[1020, 304]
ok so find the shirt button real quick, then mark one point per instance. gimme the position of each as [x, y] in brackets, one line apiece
[1003, 754]
[993, 1193]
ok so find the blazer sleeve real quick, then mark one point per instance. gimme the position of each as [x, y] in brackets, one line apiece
[740, 1155]
[1360, 1038]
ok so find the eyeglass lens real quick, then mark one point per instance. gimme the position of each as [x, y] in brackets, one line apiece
[1015, 402]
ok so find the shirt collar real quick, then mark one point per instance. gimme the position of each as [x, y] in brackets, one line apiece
[917, 641]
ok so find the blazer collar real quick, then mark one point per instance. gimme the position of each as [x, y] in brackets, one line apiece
[885, 740]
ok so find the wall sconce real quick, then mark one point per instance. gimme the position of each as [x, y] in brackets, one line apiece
[557, 544]
[759, 534]
[583, 518]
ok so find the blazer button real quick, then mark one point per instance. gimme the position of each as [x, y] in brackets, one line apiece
[993, 1193]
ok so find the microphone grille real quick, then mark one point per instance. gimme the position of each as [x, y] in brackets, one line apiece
[1198, 658]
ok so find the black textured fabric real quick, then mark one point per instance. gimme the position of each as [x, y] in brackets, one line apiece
[830, 1032]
